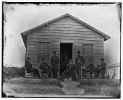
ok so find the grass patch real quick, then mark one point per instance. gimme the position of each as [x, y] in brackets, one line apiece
[44, 90]
[101, 87]
[47, 81]
[12, 72]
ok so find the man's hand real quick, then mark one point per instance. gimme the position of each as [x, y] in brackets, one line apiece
[98, 65]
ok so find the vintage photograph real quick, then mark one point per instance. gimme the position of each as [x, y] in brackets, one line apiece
[61, 50]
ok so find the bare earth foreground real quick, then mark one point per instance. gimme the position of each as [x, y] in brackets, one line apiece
[28, 87]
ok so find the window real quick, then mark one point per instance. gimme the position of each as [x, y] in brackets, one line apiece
[87, 49]
[43, 51]
[43, 47]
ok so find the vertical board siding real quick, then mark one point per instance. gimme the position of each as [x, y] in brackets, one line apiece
[65, 30]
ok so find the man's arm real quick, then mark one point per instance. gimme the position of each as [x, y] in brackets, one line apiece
[87, 67]
[83, 60]
[40, 66]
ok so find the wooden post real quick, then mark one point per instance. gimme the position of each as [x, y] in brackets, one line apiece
[59, 70]
[25, 60]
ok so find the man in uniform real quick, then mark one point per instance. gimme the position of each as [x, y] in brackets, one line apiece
[54, 65]
[79, 60]
[100, 69]
[89, 69]
[71, 69]
[28, 65]
[45, 67]
[29, 68]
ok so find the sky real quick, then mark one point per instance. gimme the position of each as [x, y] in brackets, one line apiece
[19, 18]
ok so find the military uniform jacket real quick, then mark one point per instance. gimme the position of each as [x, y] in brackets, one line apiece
[71, 67]
[103, 65]
[79, 60]
[54, 61]
[28, 65]
[90, 67]
[43, 66]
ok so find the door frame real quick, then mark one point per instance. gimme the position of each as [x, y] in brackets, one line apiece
[60, 52]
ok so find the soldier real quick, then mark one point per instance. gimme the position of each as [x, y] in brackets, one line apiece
[100, 69]
[28, 65]
[45, 67]
[71, 69]
[63, 65]
[89, 69]
[54, 65]
[79, 60]
[29, 68]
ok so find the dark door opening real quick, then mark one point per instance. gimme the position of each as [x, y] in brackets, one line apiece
[65, 55]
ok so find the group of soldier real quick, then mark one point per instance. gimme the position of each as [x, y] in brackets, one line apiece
[75, 69]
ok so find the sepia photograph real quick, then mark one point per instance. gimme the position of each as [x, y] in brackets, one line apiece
[61, 50]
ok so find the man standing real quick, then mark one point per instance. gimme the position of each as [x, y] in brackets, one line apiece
[79, 60]
[54, 65]
[45, 67]
[89, 69]
[71, 69]
[100, 69]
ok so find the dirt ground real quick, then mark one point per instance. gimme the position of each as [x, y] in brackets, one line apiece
[22, 87]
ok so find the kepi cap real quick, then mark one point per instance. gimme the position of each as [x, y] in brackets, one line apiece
[78, 51]
[102, 59]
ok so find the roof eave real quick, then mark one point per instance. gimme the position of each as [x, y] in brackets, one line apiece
[106, 37]
[24, 40]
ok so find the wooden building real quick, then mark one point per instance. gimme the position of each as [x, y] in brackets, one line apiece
[65, 35]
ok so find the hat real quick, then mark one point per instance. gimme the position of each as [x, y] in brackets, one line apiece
[78, 52]
[90, 59]
[54, 51]
[102, 59]
[43, 58]
[27, 58]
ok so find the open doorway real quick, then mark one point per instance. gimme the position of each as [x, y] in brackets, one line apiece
[65, 55]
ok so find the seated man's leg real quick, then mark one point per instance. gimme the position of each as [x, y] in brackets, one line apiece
[84, 73]
[73, 75]
[96, 72]
[37, 72]
[91, 72]
[64, 74]
[103, 73]
[48, 72]
[34, 72]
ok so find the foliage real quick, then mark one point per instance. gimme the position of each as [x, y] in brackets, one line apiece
[11, 72]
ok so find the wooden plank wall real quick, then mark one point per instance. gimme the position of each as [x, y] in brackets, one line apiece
[65, 30]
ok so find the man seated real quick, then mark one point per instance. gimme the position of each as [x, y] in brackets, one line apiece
[71, 69]
[100, 69]
[63, 65]
[45, 67]
[28, 65]
[30, 70]
[89, 69]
